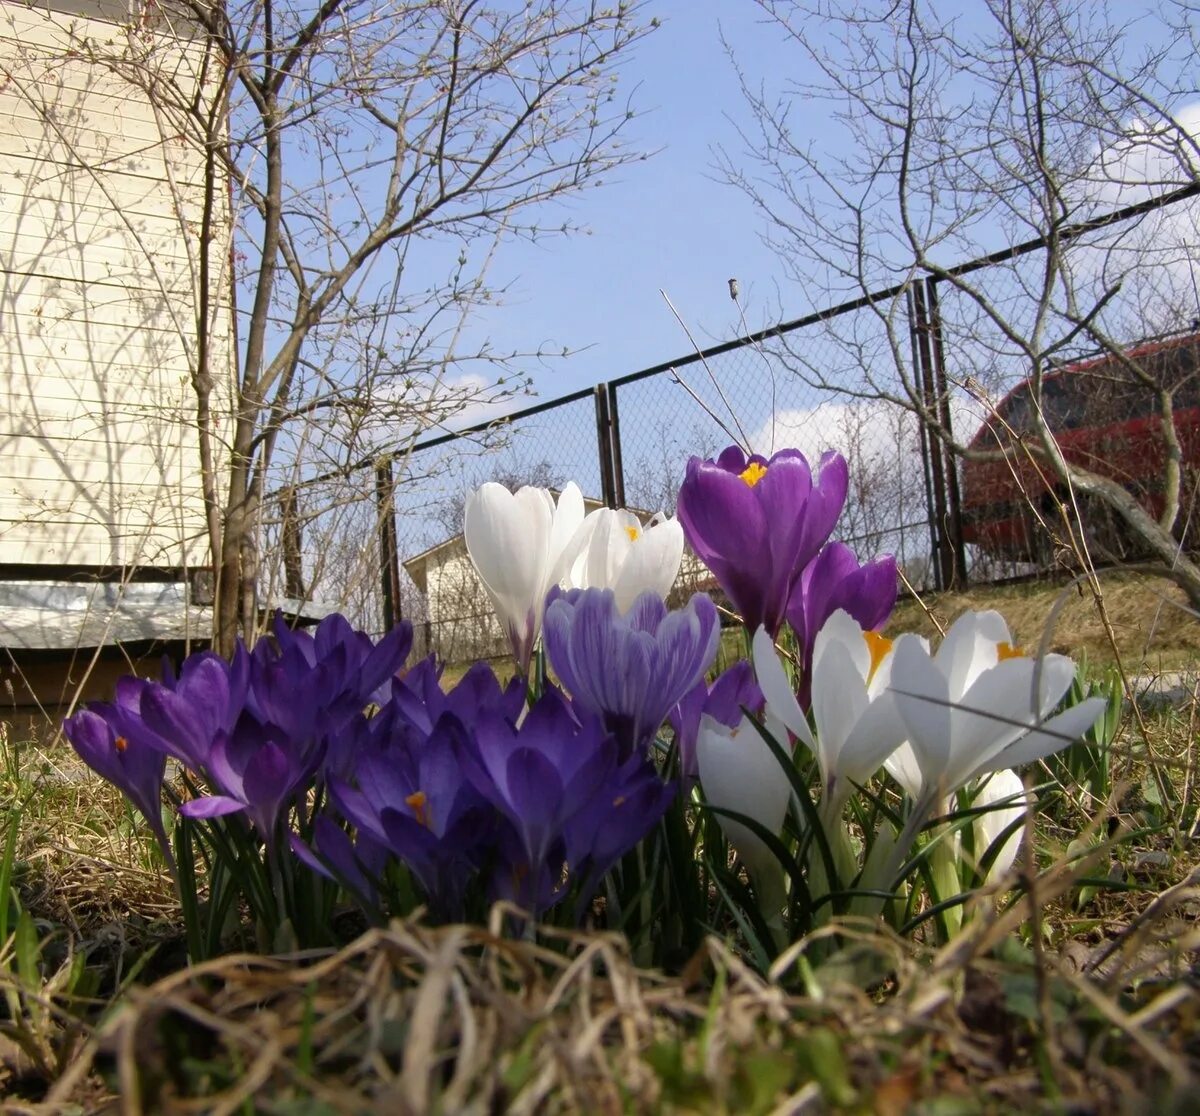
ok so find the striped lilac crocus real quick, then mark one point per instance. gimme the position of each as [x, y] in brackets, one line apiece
[756, 523]
[629, 668]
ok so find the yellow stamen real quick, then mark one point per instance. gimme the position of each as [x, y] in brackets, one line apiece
[753, 473]
[880, 647]
[120, 743]
[1008, 651]
[619, 800]
[633, 533]
[418, 803]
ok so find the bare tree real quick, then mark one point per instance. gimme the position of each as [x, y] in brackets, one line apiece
[513, 471]
[963, 132]
[368, 158]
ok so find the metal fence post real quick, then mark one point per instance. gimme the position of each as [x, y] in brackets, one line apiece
[951, 526]
[618, 465]
[608, 487]
[915, 300]
[389, 549]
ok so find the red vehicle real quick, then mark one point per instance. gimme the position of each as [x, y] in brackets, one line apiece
[1104, 420]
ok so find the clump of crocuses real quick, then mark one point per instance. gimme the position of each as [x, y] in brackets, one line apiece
[316, 764]
[320, 768]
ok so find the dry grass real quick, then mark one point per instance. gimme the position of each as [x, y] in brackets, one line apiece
[1153, 628]
[462, 1020]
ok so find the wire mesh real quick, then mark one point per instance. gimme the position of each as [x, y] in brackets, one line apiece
[1113, 289]
[807, 389]
[846, 380]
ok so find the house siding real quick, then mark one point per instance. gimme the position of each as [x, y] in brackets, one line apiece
[100, 200]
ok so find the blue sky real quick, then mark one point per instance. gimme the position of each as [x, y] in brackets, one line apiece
[670, 222]
[666, 223]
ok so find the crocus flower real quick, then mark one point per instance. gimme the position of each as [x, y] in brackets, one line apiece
[420, 699]
[617, 817]
[739, 772]
[407, 795]
[1004, 792]
[518, 544]
[757, 523]
[258, 771]
[834, 580]
[856, 723]
[979, 705]
[187, 713]
[112, 740]
[726, 702]
[614, 550]
[555, 778]
[629, 668]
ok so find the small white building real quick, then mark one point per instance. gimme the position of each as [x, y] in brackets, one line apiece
[458, 622]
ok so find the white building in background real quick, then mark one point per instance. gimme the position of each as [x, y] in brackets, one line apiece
[101, 196]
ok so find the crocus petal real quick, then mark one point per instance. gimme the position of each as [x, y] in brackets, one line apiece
[652, 563]
[212, 806]
[508, 539]
[923, 701]
[969, 648]
[902, 766]
[1052, 736]
[739, 772]
[1001, 787]
[568, 515]
[777, 690]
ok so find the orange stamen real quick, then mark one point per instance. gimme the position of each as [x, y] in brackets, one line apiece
[880, 647]
[753, 473]
[120, 743]
[1008, 651]
[419, 805]
[633, 533]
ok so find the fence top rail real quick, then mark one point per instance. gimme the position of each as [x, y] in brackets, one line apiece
[1066, 232]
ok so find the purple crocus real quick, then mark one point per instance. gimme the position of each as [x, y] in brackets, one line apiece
[833, 580]
[112, 740]
[259, 772]
[420, 699]
[187, 713]
[572, 802]
[618, 816]
[408, 797]
[756, 523]
[311, 685]
[725, 701]
[630, 669]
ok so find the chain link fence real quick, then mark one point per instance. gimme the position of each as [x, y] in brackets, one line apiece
[385, 541]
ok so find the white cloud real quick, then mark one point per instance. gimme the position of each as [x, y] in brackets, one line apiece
[869, 431]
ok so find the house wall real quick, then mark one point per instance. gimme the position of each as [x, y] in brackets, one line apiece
[100, 202]
[463, 624]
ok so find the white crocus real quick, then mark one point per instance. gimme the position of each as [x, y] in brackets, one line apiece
[856, 723]
[614, 550]
[979, 705]
[1005, 793]
[518, 543]
[739, 772]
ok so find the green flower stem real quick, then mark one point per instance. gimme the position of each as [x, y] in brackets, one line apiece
[943, 864]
